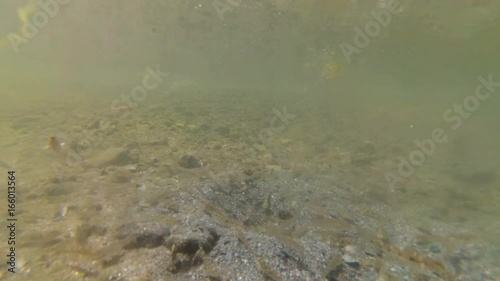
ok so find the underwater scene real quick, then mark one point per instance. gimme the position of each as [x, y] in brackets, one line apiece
[259, 140]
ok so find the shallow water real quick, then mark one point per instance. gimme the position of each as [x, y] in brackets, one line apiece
[262, 91]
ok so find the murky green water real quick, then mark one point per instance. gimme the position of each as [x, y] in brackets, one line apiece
[398, 98]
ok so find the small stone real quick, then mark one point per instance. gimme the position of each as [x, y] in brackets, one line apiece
[349, 256]
[190, 162]
[333, 275]
[284, 215]
[189, 248]
[191, 242]
[248, 172]
[435, 248]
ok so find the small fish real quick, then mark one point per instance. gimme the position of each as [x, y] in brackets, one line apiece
[331, 71]
[55, 144]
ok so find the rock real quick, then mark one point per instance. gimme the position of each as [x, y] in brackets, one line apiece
[190, 162]
[190, 242]
[333, 274]
[133, 168]
[284, 215]
[143, 234]
[435, 248]
[189, 249]
[350, 257]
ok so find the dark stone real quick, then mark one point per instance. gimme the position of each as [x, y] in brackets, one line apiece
[333, 274]
[189, 246]
[191, 242]
[188, 249]
[143, 234]
[189, 162]
[284, 215]
[353, 264]
[435, 248]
